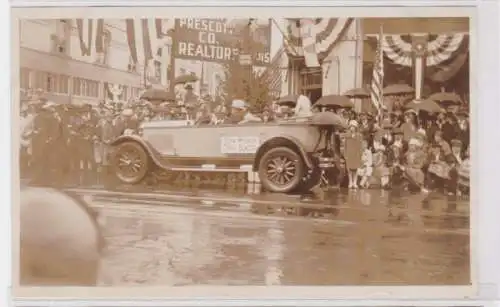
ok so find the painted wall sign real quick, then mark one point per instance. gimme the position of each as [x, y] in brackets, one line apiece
[222, 40]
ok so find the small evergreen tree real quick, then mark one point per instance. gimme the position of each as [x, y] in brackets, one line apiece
[241, 82]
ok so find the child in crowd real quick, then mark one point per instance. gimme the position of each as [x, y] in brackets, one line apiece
[438, 170]
[380, 169]
[366, 169]
[415, 159]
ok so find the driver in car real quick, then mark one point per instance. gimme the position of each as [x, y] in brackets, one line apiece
[240, 113]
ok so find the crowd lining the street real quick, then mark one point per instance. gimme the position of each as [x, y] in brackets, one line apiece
[67, 144]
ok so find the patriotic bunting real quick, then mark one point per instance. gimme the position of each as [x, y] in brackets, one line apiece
[314, 38]
[436, 51]
[91, 36]
[308, 35]
[145, 39]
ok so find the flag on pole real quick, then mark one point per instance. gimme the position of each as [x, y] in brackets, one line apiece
[376, 89]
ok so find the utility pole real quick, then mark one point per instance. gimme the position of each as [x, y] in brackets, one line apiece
[173, 45]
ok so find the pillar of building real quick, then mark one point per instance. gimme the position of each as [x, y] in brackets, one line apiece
[284, 67]
[343, 67]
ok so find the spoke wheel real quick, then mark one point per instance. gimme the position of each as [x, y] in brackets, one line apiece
[281, 170]
[131, 163]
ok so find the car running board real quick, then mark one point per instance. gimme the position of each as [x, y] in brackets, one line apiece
[214, 168]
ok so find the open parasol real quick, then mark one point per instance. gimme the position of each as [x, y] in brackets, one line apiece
[328, 119]
[339, 101]
[357, 93]
[426, 105]
[185, 79]
[398, 89]
[446, 98]
[157, 95]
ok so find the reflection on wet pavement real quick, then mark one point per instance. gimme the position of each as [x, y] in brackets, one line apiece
[366, 237]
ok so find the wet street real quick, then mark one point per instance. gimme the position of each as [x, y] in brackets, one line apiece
[365, 237]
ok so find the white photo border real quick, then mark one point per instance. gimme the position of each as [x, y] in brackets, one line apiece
[485, 245]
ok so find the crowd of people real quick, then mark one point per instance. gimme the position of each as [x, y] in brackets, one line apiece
[70, 144]
[425, 151]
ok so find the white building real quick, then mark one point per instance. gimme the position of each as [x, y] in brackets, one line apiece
[52, 59]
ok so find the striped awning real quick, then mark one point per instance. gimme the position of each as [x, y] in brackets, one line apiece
[327, 32]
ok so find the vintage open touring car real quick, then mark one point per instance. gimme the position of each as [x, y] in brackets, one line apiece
[287, 155]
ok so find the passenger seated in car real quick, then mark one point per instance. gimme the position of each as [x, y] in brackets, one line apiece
[240, 114]
[303, 108]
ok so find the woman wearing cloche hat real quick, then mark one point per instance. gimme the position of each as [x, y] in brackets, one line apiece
[353, 151]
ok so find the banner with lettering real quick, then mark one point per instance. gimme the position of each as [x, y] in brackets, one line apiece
[222, 40]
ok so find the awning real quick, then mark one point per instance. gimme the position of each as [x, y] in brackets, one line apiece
[41, 61]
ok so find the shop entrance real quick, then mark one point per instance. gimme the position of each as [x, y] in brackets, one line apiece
[311, 83]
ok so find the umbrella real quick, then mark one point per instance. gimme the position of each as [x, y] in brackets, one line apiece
[398, 89]
[334, 101]
[446, 98]
[288, 100]
[357, 93]
[426, 105]
[328, 119]
[185, 79]
[157, 95]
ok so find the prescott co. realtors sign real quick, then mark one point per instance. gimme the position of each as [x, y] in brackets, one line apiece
[221, 40]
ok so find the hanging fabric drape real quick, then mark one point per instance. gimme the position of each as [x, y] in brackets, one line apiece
[315, 38]
[421, 52]
[438, 50]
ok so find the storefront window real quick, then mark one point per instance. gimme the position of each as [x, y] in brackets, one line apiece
[85, 88]
[311, 83]
[40, 81]
[125, 93]
[62, 84]
[134, 92]
[25, 78]
[51, 83]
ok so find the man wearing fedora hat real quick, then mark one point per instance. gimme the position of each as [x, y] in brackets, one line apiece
[47, 141]
[240, 113]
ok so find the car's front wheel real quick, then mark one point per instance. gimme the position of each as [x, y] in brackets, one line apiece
[281, 170]
[131, 163]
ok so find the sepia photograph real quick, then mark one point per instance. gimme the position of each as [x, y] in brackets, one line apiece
[168, 151]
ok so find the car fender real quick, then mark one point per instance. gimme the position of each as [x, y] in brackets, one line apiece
[282, 140]
[144, 144]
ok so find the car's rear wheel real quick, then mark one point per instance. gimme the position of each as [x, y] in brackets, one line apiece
[131, 163]
[281, 170]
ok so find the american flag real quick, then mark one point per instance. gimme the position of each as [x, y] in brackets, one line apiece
[376, 90]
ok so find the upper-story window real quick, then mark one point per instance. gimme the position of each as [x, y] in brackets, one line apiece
[61, 37]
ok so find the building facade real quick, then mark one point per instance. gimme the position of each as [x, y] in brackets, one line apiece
[53, 58]
[345, 49]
